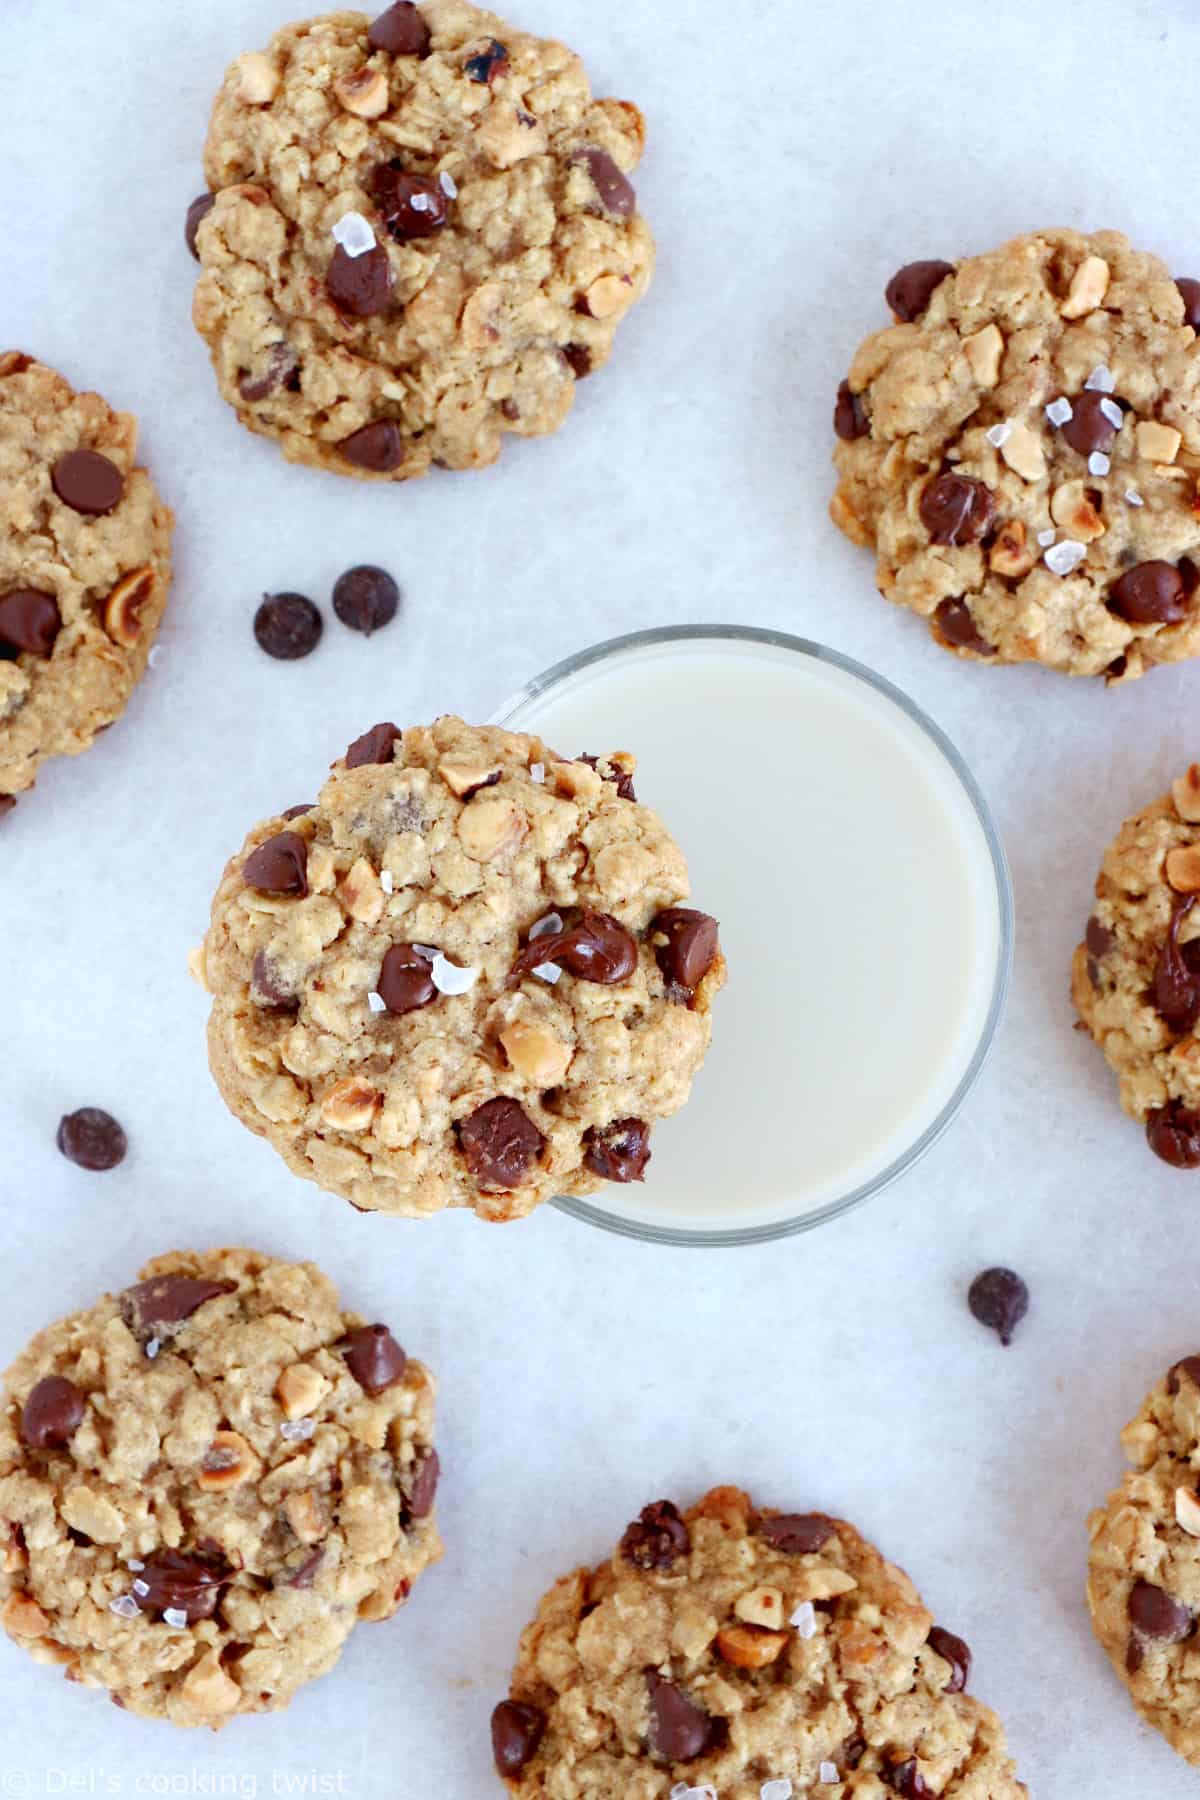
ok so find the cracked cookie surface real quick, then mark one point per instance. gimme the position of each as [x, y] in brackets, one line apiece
[205, 1481]
[464, 977]
[730, 1648]
[85, 566]
[1144, 1563]
[1021, 451]
[1135, 979]
[493, 237]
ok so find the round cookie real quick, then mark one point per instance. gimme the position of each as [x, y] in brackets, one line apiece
[745, 1653]
[205, 1481]
[1144, 1563]
[85, 563]
[1021, 449]
[462, 978]
[1135, 979]
[487, 237]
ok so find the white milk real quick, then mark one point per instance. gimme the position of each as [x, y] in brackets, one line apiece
[860, 916]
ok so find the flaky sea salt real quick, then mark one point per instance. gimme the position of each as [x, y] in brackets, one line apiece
[354, 234]
[537, 772]
[152, 1348]
[155, 657]
[448, 185]
[1059, 411]
[385, 881]
[548, 972]
[546, 927]
[140, 1588]
[296, 1430]
[827, 1774]
[376, 1003]
[998, 435]
[779, 1789]
[125, 1607]
[1100, 381]
[1098, 463]
[135, 1563]
[1047, 537]
[1133, 498]
[805, 1619]
[681, 1791]
[1112, 413]
[448, 978]
[421, 203]
[1062, 558]
[175, 1617]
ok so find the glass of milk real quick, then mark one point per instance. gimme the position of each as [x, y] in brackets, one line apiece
[865, 910]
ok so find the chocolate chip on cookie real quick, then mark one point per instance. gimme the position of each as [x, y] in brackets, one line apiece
[182, 1582]
[1173, 1133]
[197, 212]
[366, 598]
[593, 947]
[287, 626]
[612, 770]
[30, 621]
[617, 1152]
[850, 419]
[954, 1651]
[517, 1730]
[1094, 422]
[278, 866]
[955, 509]
[905, 1778]
[378, 447]
[165, 1300]
[911, 288]
[796, 1534]
[1098, 940]
[1151, 593]
[956, 625]
[52, 1413]
[500, 1143]
[1155, 1614]
[266, 987]
[360, 285]
[680, 1731]
[374, 1358]
[614, 188]
[374, 746]
[406, 979]
[411, 205]
[401, 31]
[1188, 1366]
[423, 1491]
[999, 1299]
[87, 482]
[92, 1138]
[279, 367]
[1176, 984]
[657, 1538]
[689, 947]
[489, 64]
[1189, 293]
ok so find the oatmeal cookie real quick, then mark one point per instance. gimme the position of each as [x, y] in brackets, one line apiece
[462, 978]
[745, 1653]
[1021, 451]
[85, 562]
[420, 234]
[1135, 979]
[1144, 1564]
[205, 1481]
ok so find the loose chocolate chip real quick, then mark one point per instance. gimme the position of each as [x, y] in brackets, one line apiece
[617, 1152]
[657, 1538]
[516, 1733]
[1189, 290]
[87, 482]
[424, 1488]
[1151, 593]
[1187, 1365]
[377, 447]
[281, 369]
[593, 948]
[265, 986]
[401, 31]
[955, 509]
[1173, 1133]
[197, 212]
[797, 1534]
[580, 359]
[52, 1413]
[278, 866]
[374, 746]
[621, 779]
[489, 64]
[406, 979]
[954, 1651]
[680, 1731]
[287, 626]
[365, 598]
[360, 285]
[169, 1299]
[911, 288]
[29, 621]
[1156, 1615]
[499, 1142]
[611, 184]
[906, 1779]
[691, 947]
[1088, 429]
[999, 1299]
[411, 206]
[180, 1581]
[92, 1138]
[849, 415]
[374, 1358]
[1176, 986]
[956, 625]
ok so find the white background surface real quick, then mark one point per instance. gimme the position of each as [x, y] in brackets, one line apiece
[798, 153]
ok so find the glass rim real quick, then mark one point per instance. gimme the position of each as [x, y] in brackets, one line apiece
[610, 648]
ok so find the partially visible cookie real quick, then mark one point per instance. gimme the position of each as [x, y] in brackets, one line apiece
[206, 1481]
[746, 1653]
[1021, 449]
[1135, 979]
[463, 976]
[85, 563]
[1144, 1565]
[421, 235]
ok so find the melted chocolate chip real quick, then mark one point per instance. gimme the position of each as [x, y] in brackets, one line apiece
[281, 369]
[516, 1733]
[954, 1651]
[169, 1300]
[401, 31]
[617, 1152]
[197, 212]
[406, 980]
[499, 1143]
[955, 509]
[956, 625]
[181, 1581]
[423, 1491]
[911, 288]
[691, 948]
[52, 1414]
[1151, 593]
[615, 190]
[287, 626]
[374, 746]
[29, 621]
[360, 285]
[1173, 1133]
[680, 1731]
[796, 1534]
[621, 779]
[377, 447]
[906, 1779]
[374, 1358]
[410, 205]
[1155, 1614]
[1176, 986]
[657, 1538]
[999, 1299]
[365, 598]
[1187, 1365]
[593, 948]
[1088, 429]
[489, 64]
[1189, 291]
[850, 419]
[92, 1138]
[278, 866]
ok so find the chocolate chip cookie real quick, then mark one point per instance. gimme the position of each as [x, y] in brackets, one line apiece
[1021, 451]
[1135, 978]
[463, 977]
[206, 1481]
[1144, 1565]
[421, 234]
[85, 562]
[745, 1653]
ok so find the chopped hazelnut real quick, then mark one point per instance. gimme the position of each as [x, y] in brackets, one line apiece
[23, 1617]
[123, 608]
[1011, 554]
[228, 1462]
[364, 93]
[1072, 508]
[983, 351]
[300, 1390]
[1022, 451]
[464, 776]
[1186, 794]
[1157, 443]
[1089, 284]
[489, 826]
[608, 297]
[1183, 869]
[351, 1104]
[206, 1688]
[305, 1516]
[258, 78]
[748, 1648]
[760, 1606]
[1187, 1510]
[536, 1053]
